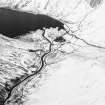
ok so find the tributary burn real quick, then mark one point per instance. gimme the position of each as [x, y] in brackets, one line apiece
[29, 43]
[27, 39]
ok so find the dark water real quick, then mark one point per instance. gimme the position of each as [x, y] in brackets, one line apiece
[14, 23]
[60, 39]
